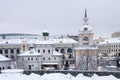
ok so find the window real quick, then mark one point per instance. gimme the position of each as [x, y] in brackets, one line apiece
[38, 51]
[1, 51]
[85, 29]
[11, 51]
[56, 49]
[62, 50]
[85, 38]
[54, 58]
[43, 51]
[48, 51]
[43, 58]
[6, 51]
[31, 58]
[49, 58]
[12, 57]
[18, 51]
[69, 50]
[28, 58]
[3, 68]
[6, 55]
[36, 58]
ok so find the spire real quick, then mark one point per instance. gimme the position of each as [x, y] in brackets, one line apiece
[85, 19]
[85, 16]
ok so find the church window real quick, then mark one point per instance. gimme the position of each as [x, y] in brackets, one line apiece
[43, 58]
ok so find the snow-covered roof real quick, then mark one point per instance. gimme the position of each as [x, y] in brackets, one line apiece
[3, 58]
[11, 71]
[85, 48]
[63, 41]
[45, 31]
[55, 53]
[49, 63]
[110, 41]
[30, 53]
[37, 41]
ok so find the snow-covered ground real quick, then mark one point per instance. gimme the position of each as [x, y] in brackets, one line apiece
[52, 76]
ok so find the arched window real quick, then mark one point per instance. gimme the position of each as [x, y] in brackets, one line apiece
[69, 50]
[43, 50]
[56, 49]
[48, 51]
[38, 51]
[62, 50]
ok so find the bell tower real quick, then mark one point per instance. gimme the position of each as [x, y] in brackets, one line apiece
[85, 33]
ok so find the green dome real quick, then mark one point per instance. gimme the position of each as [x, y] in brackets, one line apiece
[45, 33]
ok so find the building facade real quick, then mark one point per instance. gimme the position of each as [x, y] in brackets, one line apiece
[85, 52]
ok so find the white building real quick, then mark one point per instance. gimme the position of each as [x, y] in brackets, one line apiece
[109, 52]
[29, 60]
[5, 63]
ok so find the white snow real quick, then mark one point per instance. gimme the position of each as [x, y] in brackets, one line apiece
[110, 40]
[85, 48]
[30, 53]
[37, 41]
[3, 58]
[11, 71]
[49, 63]
[53, 76]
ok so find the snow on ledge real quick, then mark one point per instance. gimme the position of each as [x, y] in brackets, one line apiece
[11, 71]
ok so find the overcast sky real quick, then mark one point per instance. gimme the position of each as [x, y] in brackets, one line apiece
[59, 16]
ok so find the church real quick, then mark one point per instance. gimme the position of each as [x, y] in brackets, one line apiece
[85, 52]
